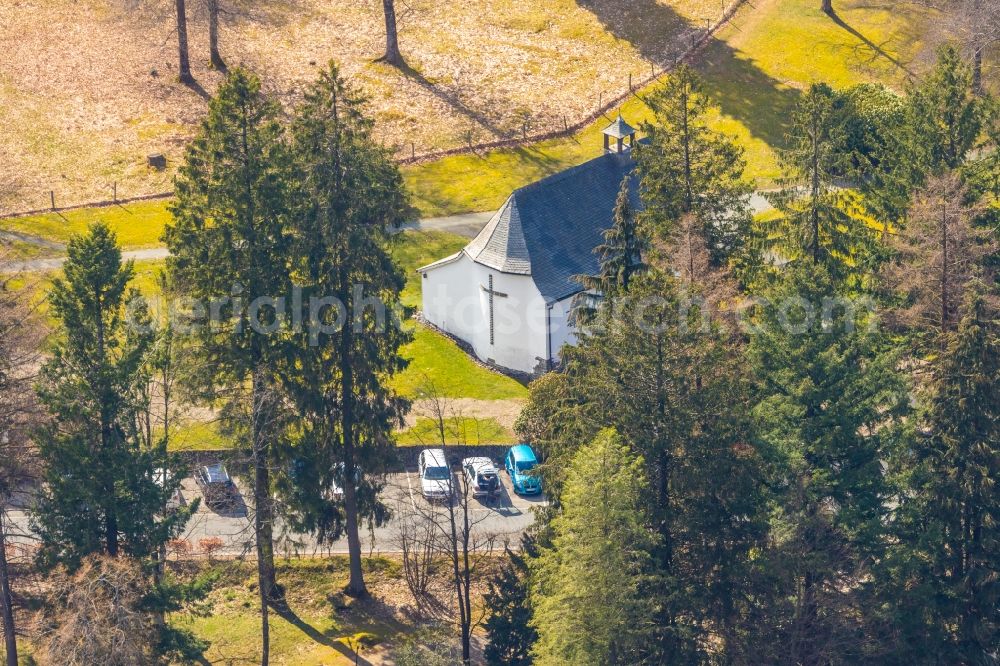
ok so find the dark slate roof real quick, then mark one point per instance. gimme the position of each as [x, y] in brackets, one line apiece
[619, 129]
[501, 244]
[549, 229]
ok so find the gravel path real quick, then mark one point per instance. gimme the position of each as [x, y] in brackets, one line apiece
[466, 224]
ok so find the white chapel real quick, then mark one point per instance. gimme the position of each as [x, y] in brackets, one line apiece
[508, 294]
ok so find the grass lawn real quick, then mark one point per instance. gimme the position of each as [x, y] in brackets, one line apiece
[412, 249]
[18, 250]
[435, 359]
[199, 435]
[753, 69]
[138, 225]
[466, 430]
[322, 627]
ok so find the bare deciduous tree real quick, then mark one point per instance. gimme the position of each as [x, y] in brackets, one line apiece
[975, 24]
[465, 544]
[20, 338]
[94, 616]
[215, 58]
[183, 60]
[417, 540]
[938, 253]
[392, 54]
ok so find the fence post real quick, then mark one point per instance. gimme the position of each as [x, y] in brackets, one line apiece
[114, 191]
[52, 198]
[565, 124]
[413, 150]
[630, 81]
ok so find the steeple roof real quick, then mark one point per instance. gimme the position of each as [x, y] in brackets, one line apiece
[549, 229]
[619, 129]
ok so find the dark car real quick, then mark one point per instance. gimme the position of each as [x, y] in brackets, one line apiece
[216, 485]
[482, 476]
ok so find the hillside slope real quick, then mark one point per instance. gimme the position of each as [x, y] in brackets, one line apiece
[88, 87]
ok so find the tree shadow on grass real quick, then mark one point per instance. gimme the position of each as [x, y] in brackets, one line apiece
[451, 98]
[195, 87]
[320, 637]
[877, 50]
[742, 90]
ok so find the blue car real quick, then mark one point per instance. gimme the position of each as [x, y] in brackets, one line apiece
[519, 462]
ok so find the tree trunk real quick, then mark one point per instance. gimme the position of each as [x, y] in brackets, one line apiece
[270, 592]
[392, 54]
[183, 62]
[944, 275]
[977, 71]
[213, 36]
[815, 186]
[356, 585]
[6, 600]
[828, 7]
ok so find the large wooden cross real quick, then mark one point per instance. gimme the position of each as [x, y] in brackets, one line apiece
[492, 292]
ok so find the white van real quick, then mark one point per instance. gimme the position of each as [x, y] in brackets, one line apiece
[435, 475]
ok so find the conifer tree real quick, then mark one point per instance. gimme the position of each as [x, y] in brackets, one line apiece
[936, 133]
[100, 493]
[945, 115]
[591, 590]
[229, 246]
[508, 626]
[937, 255]
[350, 195]
[819, 222]
[622, 252]
[661, 380]
[941, 585]
[687, 168]
[827, 414]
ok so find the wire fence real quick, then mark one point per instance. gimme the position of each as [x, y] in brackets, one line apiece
[693, 41]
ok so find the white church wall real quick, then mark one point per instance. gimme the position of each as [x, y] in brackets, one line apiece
[562, 332]
[519, 322]
[454, 299]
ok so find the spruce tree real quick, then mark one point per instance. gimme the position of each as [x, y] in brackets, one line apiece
[621, 254]
[937, 255]
[511, 636]
[819, 222]
[229, 245]
[591, 588]
[941, 585]
[828, 409]
[100, 493]
[936, 132]
[687, 168]
[677, 395]
[945, 114]
[350, 195]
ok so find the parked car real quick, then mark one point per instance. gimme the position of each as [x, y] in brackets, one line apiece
[435, 475]
[216, 484]
[337, 483]
[163, 476]
[482, 476]
[519, 462]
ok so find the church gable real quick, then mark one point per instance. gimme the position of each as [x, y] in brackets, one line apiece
[501, 243]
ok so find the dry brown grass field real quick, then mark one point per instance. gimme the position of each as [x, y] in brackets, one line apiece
[88, 87]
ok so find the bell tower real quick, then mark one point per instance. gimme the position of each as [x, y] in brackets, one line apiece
[622, 133]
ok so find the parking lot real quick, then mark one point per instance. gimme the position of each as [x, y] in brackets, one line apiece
[505, 518]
